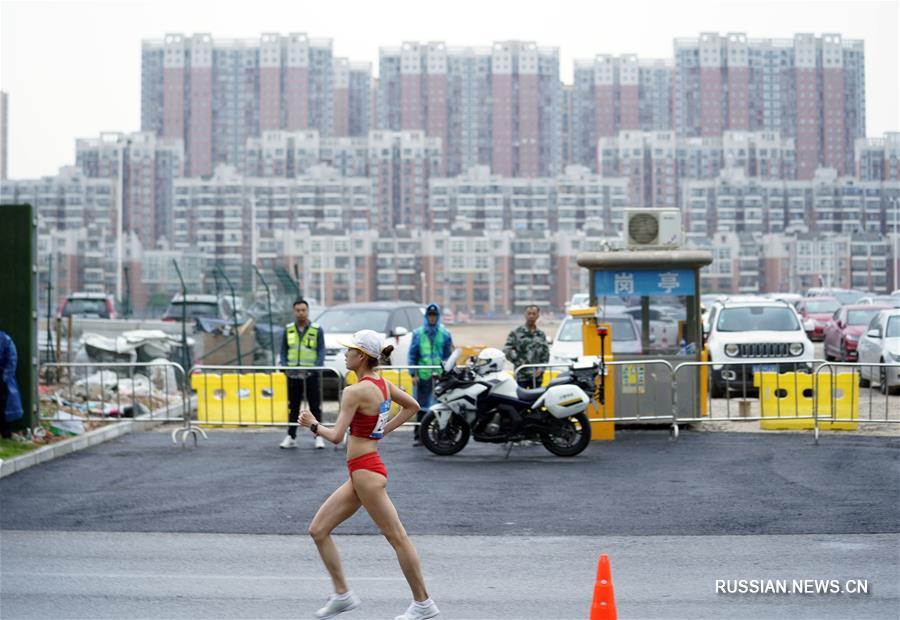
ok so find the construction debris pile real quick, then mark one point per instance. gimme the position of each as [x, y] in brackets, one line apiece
[139, 345]
[77, 399]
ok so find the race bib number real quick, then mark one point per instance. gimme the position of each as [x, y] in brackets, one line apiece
[383, 411]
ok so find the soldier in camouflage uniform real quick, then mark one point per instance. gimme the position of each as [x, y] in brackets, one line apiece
[527, 344]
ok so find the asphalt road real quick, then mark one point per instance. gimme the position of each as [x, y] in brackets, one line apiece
[641, 484]
[139, 528]
[219, 576]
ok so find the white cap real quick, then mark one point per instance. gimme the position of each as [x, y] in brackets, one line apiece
[365, 340]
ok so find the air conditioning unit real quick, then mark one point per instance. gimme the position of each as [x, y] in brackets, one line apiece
[652, 229]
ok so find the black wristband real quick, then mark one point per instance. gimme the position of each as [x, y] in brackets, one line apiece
[314, 427]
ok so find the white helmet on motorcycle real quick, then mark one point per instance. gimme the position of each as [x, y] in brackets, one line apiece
[490, 360]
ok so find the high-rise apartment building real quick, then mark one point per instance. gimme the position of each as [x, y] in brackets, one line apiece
[878, 159]
[481, 201]
[498, 106]
[503, 105]
[227, 216]
[618, 93]
[76, 227]
[352, 97]
[469, 113]
[214, 94]
[810, 88]
[826, 204]
[525, 110]
[413, 89]
[401, 164]
[68, 201]
[148, 165]
[656, 163]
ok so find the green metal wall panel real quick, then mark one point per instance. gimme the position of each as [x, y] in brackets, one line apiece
[18, 298]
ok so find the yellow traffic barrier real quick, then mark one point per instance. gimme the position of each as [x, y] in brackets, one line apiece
[231, 399]
[844, 396]
[786, 400]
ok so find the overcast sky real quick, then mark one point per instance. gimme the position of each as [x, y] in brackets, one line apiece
[72, 69]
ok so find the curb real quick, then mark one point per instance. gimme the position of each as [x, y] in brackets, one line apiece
[91, 438]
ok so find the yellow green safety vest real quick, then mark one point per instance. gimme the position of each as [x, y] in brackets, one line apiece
[430, 352]
[305, 352]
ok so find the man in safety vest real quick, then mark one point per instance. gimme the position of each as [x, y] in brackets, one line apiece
[303, 345]
[431, 345]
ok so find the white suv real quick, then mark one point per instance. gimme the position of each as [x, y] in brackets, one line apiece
[767, 333]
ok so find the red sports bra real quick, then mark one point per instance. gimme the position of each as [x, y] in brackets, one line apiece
[372, 426]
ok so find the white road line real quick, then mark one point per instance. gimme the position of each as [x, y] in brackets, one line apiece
[189, 576]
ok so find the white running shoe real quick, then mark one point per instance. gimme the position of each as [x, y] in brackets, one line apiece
[320, 443]
[338, 605]
[288, 442]
[415, 611]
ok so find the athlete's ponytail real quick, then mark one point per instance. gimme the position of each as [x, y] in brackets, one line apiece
[385, 358]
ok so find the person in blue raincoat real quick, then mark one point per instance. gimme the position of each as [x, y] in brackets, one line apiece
[10, 400]
[431, 345]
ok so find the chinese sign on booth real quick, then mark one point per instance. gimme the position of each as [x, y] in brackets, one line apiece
[644, 282]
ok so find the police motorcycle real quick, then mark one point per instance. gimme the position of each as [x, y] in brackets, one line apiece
[480, 400]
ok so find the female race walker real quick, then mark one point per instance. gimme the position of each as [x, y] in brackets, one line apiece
[364, 409]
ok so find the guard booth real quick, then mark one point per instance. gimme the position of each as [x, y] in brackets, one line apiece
[657, 295]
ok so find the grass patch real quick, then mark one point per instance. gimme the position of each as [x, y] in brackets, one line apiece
[10, 448]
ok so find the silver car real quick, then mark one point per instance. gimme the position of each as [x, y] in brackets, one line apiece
[881, 345]
[395, 321]
[567, 345]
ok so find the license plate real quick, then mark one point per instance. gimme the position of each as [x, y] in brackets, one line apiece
[765, 368]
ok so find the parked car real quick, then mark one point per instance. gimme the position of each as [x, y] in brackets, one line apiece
[663, 327]
[789, 298]
[579, 300]
[395, 321]
[89, 305]
[765, 332]
[708, 299]
[881, 345]
[197, 306]
[610, 306]
[705, 313]
[891, 301]
[568, 345]
[816, 312]
[842, 333]
[843, 295]
[849, 296]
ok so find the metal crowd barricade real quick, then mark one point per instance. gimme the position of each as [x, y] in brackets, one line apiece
[652, 397]
[662, 376]
[865, 408]
[259, 394]
[93, 391]
[253, 384]
[787, 399]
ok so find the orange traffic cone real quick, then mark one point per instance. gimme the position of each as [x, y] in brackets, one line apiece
[604, 605]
